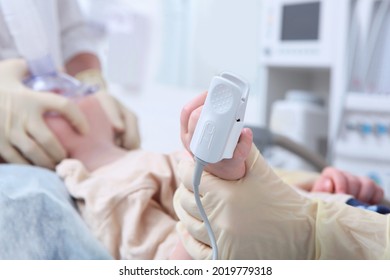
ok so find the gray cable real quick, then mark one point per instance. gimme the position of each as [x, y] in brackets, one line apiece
[264, 137]
[199, 166]
[292, 146]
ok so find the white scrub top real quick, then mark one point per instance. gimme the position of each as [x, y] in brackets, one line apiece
[65, 27]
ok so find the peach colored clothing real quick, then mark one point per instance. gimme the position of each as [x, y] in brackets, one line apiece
[128, 204]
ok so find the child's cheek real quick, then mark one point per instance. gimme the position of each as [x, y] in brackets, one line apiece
[62, 131]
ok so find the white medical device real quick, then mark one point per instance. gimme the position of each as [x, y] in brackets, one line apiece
[221, 120]
[217, 131]
[302, 117]
[298, 31]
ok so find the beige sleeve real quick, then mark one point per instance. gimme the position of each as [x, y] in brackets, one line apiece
[128, 204]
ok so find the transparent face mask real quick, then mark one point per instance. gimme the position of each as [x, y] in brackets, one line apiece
[61, 84]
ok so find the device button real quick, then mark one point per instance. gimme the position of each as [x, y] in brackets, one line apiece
[381, 129]
[365, 129]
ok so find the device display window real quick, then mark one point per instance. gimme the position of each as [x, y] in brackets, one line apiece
[301, 22]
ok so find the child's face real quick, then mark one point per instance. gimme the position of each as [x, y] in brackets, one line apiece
[100, 129]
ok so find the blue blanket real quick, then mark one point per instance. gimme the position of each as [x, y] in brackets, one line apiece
[38, 219]
[381, 209]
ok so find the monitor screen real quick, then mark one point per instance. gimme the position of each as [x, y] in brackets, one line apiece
[300, 21]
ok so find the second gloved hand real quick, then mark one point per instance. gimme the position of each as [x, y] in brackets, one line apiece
[123, 120]
[24, 135]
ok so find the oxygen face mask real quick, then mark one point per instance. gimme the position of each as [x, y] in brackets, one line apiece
[60, 83]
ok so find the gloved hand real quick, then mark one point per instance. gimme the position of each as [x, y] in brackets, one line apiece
[261, 217]
[237, 211]
[24, 136]
[124, 121]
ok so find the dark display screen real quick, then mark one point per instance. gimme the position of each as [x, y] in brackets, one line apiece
[300, 21]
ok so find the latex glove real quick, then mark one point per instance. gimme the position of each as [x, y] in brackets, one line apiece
[123, 120]
[261, 217]
[24, 135]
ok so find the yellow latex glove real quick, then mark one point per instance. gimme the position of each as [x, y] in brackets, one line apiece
[123, 120]
[24, 136]
[261, 217]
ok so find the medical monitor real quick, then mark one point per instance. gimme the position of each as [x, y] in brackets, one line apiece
[300, 32]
